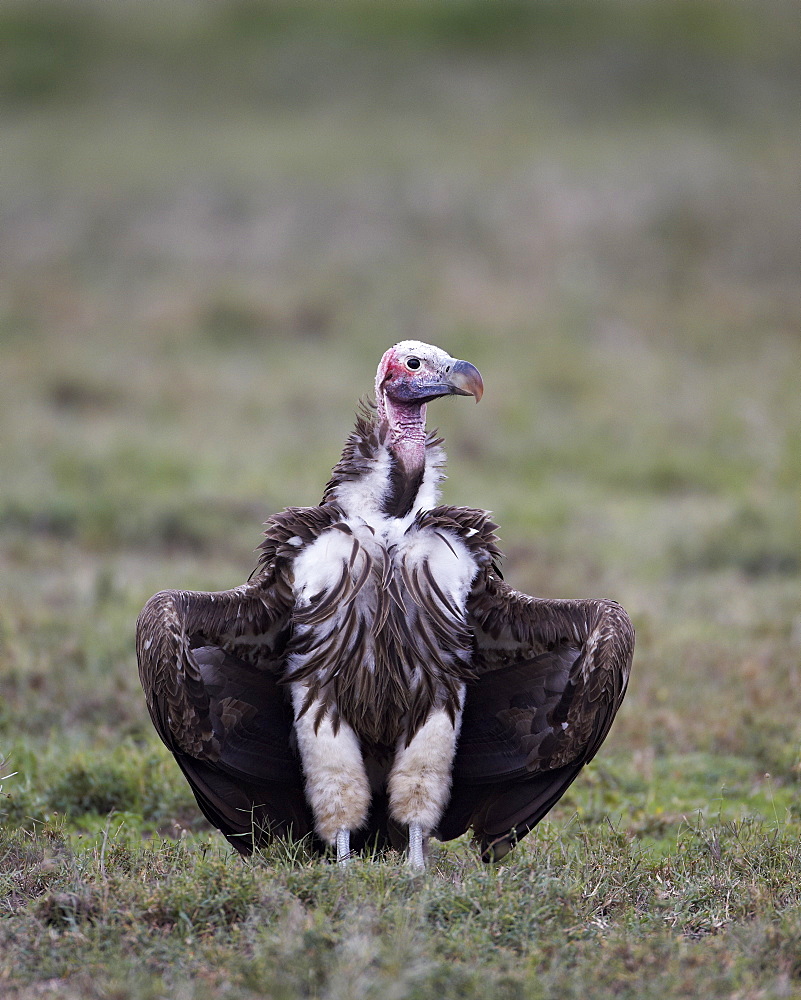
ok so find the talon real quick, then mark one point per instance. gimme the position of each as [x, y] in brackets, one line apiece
[415, 858]
[343, 847]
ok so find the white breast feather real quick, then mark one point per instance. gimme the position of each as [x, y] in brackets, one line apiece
[319, 566]
[450, 562]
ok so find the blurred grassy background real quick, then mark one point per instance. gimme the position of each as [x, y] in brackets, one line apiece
[215, 216]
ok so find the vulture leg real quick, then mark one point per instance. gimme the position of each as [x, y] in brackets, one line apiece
[337, 788]
[420, 780]
[416, 858]
[343, 847]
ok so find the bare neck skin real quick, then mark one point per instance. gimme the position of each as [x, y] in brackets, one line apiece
[407, 443]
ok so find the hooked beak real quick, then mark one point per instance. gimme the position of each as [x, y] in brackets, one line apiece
[465, 379]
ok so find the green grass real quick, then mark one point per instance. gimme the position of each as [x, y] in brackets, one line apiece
[579, 905]
[215, 218]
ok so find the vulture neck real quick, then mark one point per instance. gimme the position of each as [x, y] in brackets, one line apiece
[406, 443]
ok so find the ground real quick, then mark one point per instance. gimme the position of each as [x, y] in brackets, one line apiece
[215, 218]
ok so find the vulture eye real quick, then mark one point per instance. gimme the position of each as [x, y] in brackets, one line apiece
[413, 364]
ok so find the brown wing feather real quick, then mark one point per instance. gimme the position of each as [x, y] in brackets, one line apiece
[552, 675]
[208, 663]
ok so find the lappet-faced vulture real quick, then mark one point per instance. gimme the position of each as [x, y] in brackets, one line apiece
[376, 682]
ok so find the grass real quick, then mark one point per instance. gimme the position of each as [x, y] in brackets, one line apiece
[577, 904]
[215, 219]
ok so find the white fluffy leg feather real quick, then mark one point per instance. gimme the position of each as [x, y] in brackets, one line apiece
[337, 788]
[420, 780]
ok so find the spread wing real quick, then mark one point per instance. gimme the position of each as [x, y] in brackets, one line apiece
[209, 665]
[552, 675]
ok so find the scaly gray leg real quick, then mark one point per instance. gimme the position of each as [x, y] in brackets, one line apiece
[415, 857]
[343, 847]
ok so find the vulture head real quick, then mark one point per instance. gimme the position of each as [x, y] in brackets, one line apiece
[410, 375]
